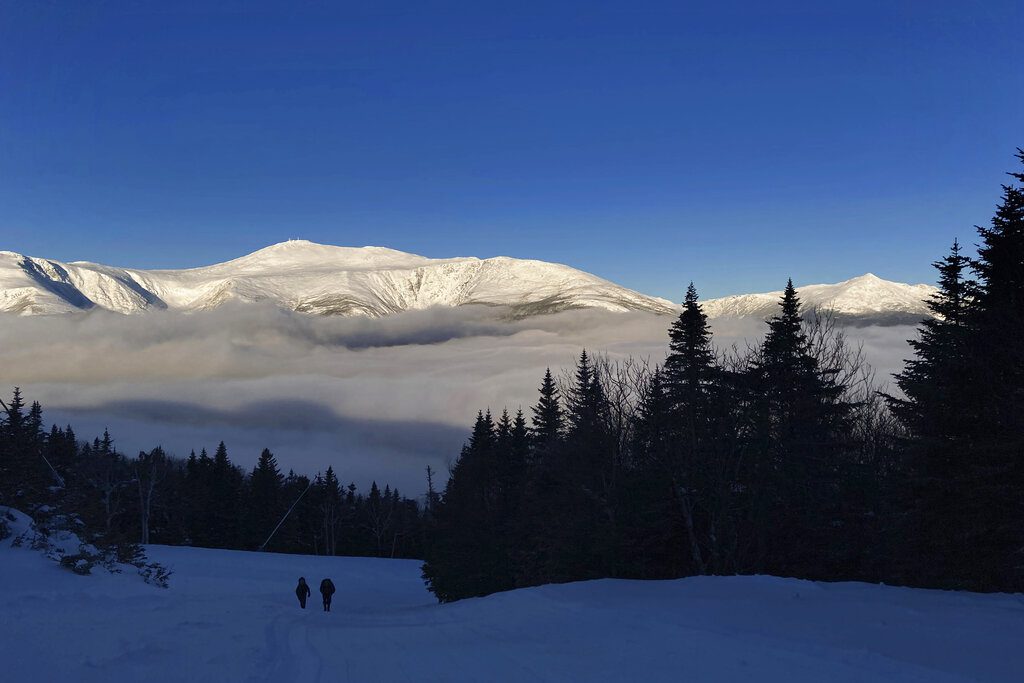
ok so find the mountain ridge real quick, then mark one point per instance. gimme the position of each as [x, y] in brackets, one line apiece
[863, 299]
[372, 281]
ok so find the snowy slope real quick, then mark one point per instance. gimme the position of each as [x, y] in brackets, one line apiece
[867, 297]
[314, 278]
[232, 616]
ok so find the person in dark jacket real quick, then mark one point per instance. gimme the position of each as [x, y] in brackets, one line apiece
[302, 591]
[327, 590]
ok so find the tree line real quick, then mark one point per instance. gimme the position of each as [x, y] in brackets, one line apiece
[781, 458]
[112, 499]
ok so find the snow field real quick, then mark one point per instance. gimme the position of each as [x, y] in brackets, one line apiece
[233, 616]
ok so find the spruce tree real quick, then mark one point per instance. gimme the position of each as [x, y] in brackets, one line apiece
[964, 408]
[265, 501]
[467, 553]
[999, 320]
[796, 436]
[519, 444]
[548, 418]
[934, 381]
[690, 365]
[329, 502]
[26, 474]
[224, 511]
[574, 506]
[654, 546]
[940, 415]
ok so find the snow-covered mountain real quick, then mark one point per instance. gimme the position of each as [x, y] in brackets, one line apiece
[314, 278]
[375, 282]
[867, 299]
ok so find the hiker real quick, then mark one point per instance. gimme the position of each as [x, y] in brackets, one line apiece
[327, 590]
[302, 592]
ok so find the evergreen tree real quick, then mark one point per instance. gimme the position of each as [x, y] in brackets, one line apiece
[997, 532]
[937, 411]
[936, 377]
[519, 446]
[654, 546]
[467, 554]
[964, 408]
[578, 503]
[225, 492]
[265, 500]
[796, 438]
[690, 366]
[586, 404]
[26, 475]
[330, 507]
[548, 418]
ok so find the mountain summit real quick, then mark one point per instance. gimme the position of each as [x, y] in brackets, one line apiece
[376, 281]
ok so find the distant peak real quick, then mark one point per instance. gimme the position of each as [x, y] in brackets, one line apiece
[298, 253]
[290, 244]
[298, 244]
[861, 279]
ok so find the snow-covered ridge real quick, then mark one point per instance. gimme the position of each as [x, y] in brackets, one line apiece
[867, 298]
[375, 281]
[314, 278]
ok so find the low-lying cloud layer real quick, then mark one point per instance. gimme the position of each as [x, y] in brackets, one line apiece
[374, 398]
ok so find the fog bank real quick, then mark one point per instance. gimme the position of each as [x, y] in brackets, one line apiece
[376, 398]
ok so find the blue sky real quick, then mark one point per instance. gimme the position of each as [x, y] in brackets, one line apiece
[650, 143]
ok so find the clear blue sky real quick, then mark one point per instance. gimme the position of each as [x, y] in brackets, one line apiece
[650, 143]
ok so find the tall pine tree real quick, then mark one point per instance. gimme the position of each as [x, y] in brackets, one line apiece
[796, 437]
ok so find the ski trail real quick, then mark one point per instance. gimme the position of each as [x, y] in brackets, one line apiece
[235, 615]
[290, 654]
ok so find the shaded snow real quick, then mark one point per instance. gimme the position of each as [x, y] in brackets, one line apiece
[232, 616]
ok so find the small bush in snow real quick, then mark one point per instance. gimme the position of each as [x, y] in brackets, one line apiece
[79, 564]
[155, 573]
[129, 553]
[56, 541]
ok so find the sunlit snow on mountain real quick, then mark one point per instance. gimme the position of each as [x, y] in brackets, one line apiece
[376, 282]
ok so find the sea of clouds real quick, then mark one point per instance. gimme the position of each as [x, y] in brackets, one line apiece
[379, 399]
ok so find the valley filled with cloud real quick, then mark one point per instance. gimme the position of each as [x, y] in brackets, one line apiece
[376, 398]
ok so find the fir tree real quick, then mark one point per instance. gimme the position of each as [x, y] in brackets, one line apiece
[548, 418]
[467, 553]
[796, 438]
[265, 503]
[690, 365]
[224, 489]
[999, 319]
[964, 408]
[934, 381]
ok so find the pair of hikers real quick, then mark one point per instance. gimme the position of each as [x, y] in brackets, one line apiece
[326, 590]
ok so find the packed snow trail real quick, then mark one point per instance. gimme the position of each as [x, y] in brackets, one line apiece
[233, 616]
